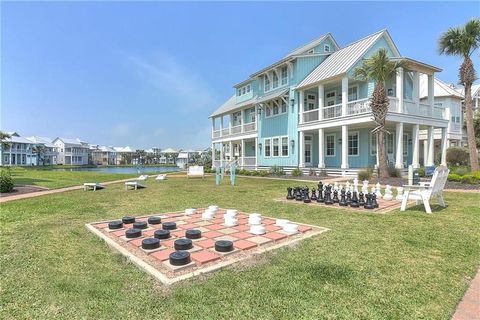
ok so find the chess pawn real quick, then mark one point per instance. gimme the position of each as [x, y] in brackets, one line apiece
[320, 198]
[306, 197]
[343, 200]
[328, 195]
[355, 181]
[354, 203]
[289, 194]
[335, 196]
[349, 197]
[314, 195]
[361, 200]
[320, 186]
[374, 200]
[378, 191]
[399, 194]
[298, 194]
[369, 204]
[388, 193]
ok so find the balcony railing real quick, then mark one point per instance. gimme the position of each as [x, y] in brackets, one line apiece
[248, 161]
[225, 132]
[247, 128]
[358, 106]
[334, 111]
[236, 129]
[310, 116]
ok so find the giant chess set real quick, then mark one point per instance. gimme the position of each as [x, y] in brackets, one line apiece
[350, 195]
[179, 245]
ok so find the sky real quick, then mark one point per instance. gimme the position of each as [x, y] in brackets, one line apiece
[148, 74]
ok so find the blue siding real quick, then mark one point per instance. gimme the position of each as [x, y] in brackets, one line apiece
[304, 66]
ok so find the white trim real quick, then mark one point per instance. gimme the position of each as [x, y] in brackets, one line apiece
[334, 145]
[265, 147]
[310, 143]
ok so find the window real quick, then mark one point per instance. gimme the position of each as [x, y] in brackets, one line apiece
[284, 106]
[251, 114]
[239, 92]
[389, 143]
[248, 88]
[326, 48]
[330, 98]
[268, 112]
[275, 80]
[405, 144]
[267, 147]
[244, 90]
[284, 76]
[310, 102]
[275, 110]
[353, 93]
[311, 51]
[353, 144]
[373, 144]
[330, 145]
[275, 144]
[267, 83]
[284, 146]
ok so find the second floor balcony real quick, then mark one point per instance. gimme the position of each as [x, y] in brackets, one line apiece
[235, 130]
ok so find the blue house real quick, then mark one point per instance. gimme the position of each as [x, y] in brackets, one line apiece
[308, 111]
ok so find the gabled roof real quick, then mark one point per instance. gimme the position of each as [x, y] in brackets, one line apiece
[440, 88]
[170, 150]
[123, 149]
[42, 140]
[230, 105]
[312, 44]
[18, 139]
[341, 61]
[76, 142]
[475, 90]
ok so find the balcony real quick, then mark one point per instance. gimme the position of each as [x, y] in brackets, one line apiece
[235, 130]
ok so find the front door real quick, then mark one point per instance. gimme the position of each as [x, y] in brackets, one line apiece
[308, 151]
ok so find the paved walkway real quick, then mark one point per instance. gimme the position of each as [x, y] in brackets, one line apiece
[469, 307]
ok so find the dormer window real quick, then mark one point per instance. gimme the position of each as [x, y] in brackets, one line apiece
[284, 76]
[275, 80]
[244, 90]
[311, 51]
[326, 48]
[267, 84]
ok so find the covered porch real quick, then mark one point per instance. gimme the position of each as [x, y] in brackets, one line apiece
[244, 151]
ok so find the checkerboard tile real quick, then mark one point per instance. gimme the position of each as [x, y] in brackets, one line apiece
[148, 233]
[244, 244]
[242, 228]
[178, 233]
[275, 236]
[212, 234]
[118, 233]
[168, 243]
[226, 237]
[204, 223]
[136, 242]
[188, 226]
[101, 225]
[227, 231]
[242, 235]
[218, 220]
[260, 240]
[204, 256]
[272, 227]
[207, 243]
[302, 228]
[215, 227]
[268, 221]
[162, 255]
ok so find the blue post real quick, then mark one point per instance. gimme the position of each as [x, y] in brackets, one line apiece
[233, 176]
[218, 176]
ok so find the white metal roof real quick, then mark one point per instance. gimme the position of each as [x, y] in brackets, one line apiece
[341, 61]
[70, 141]
[440, 88]
[169, 150]
[312, 44]
[272, 95]
[475, 90]
[230, 105]
[42, 140]
[18, 139]
[123, 149]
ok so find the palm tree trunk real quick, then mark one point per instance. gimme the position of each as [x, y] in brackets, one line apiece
[472, 145]
[382, 158]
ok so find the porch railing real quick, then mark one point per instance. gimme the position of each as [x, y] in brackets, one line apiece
[334, 111]
[216, 134]
[311, 115]
[225, 132]
[236, 129]
[393, 104]
[358, 106]
[248, 161]
[248, 127]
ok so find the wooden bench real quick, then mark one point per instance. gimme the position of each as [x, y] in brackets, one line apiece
[92, 186]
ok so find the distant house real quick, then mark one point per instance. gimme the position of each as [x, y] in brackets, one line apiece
[168, 156]
[71, 151]
[102, 155]
[124, 155]
[185, 157]
[19, 151]
[50, 153]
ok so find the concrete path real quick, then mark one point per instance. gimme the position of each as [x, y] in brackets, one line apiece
[469, 307]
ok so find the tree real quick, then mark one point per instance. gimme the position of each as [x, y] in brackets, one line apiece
[379, 68]
[140, 156]
[463, 41]
[3, 138]
[40, 151]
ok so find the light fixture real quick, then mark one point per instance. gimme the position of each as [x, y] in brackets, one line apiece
[292, 102]
[339, 141]
[292, 143]
[260, 146]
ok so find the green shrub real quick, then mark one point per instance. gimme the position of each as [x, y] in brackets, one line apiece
[364, 175]
[264, 173]
[421, 172]
[255, 173]
[457, 156]
[454, 177]
[297, 172]
[6, 181]
[276, 170]
[461, 171]
[394, 172]
[312, 173]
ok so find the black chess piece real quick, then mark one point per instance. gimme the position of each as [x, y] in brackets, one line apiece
[349, 197]
[343, 201]
[361, 200]
[374, 200]
[289, 194]
[335, 196]
[368, 203]
[298, 194]
[320, 198]
[306, 196]
[354, 203]
[314, 195]
[328, 195]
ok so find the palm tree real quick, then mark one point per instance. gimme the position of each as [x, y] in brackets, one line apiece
[3, 138]
[463, 41]
[379, 68]
[40, 151]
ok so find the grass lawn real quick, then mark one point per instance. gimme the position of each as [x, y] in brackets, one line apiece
[60, 179]
[371, 266]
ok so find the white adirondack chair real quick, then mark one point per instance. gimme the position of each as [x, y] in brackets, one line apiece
[426, 191]
[195, 171]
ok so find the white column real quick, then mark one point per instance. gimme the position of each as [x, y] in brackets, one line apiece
[213, 154]
[321, 149]
[242, 117]
[399, 89]
[344, 147]
[415, 146]
[416, 89]
[300, 106]
[256, 152]
[230, 146]
[221, 125]
[222, 146]
[242, 152]
[425, 151]
[213, 125]
[230, 124]
[320, 101]
[443, 160]
[431, 145]
[301, 153]
[344, 96]
[430, 92]
[399, 151]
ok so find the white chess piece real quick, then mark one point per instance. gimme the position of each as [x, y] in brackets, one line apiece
[365, 186]
[388, 193]
[399, 194]
[378, 193]
[347, 185]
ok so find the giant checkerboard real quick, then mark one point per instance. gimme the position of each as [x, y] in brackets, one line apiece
[204, 257]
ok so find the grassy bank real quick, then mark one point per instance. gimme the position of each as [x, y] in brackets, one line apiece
[396, 266]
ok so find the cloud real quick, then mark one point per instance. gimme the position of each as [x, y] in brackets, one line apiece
[174, 80]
